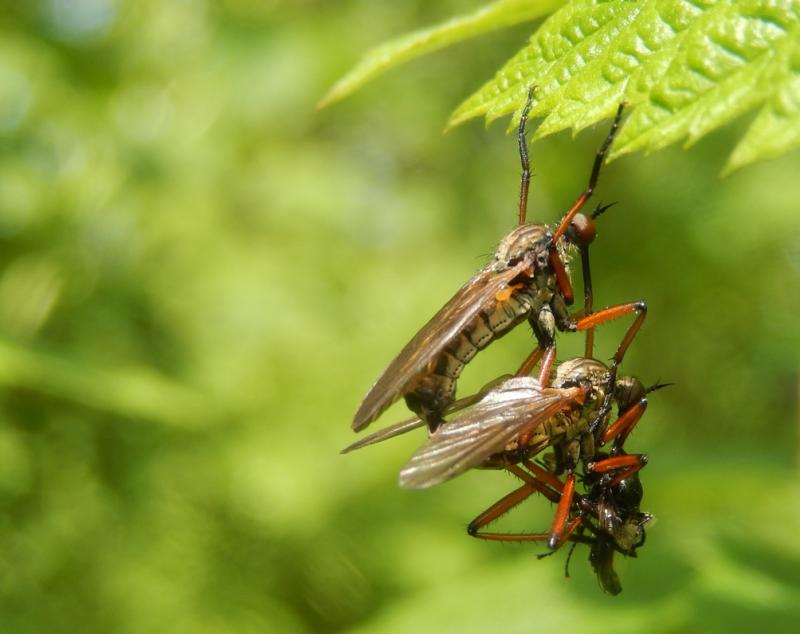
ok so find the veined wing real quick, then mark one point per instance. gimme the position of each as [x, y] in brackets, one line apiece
[476, 295]
[415, 422]
[520, 404]
[387, 432]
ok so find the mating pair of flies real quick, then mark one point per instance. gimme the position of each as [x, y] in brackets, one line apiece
[513, 419]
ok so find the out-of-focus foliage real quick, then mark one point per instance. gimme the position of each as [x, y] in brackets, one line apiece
[686, 68]
[200, 276]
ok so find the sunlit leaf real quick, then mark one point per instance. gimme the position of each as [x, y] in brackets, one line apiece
[687, 68]
[777, 127]
[496, 15]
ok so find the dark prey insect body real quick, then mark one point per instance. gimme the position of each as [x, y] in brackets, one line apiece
[608, 510]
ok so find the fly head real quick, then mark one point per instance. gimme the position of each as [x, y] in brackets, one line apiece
[628, 391]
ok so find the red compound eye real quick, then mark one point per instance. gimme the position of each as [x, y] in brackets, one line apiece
[582, 229]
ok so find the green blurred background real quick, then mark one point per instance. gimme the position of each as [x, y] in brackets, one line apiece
[200, 276]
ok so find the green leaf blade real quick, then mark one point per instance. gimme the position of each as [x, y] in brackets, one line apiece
[556, 51]
[776, 129]
[497, 15]
[714, 76]
[685, 68]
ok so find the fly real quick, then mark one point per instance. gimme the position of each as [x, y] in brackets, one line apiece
[607, 515]
[527, 279]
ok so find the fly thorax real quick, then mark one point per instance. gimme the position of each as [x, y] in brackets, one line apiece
[580, 371]
[524, 241]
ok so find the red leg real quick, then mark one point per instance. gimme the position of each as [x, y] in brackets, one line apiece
[600, 317]
[615, 312]
[545, 476]
[630, 463]
[623, 426]
[560, 529]
[508, 502]
[566, 534]
[547, 365]
[530, 363]
[616, 462]
[564, 494]
[497, 509]
[549, 487]
[512, 537]
[627, 473]
[598, 162]
[562, 279]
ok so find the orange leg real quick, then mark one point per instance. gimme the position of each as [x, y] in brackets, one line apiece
[630, 463]
[497, 509]
[508, 502]
[601, 317]
[623, 426]
[616, 462]
[615, 312]
[530, 363]
[544, 475]
[527, 366]
[564, 494]
[562, 279]
[561, 530]
[627, 473]
[547, 365]
[598, 162]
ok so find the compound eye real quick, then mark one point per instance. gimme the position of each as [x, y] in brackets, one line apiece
[629, 391]
[582, 230]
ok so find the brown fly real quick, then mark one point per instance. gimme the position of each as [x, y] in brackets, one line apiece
[516, 420]
[606, 516]
[527, 278]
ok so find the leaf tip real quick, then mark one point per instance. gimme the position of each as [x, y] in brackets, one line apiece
[335, 93]
[455, 120]
[733, 164]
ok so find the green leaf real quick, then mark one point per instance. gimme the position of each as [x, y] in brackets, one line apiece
[777, 127]
[497, 15]
[686, 68]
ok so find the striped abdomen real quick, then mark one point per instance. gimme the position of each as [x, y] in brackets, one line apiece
[436, 389]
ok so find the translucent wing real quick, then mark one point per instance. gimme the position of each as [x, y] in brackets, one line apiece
[409, 424]
[478, 294]
[387, 432]
[518, 405]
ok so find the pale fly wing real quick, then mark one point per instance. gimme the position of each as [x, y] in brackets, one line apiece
[410, 424]
[517, 406]
[391, 431]
[478, 294]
